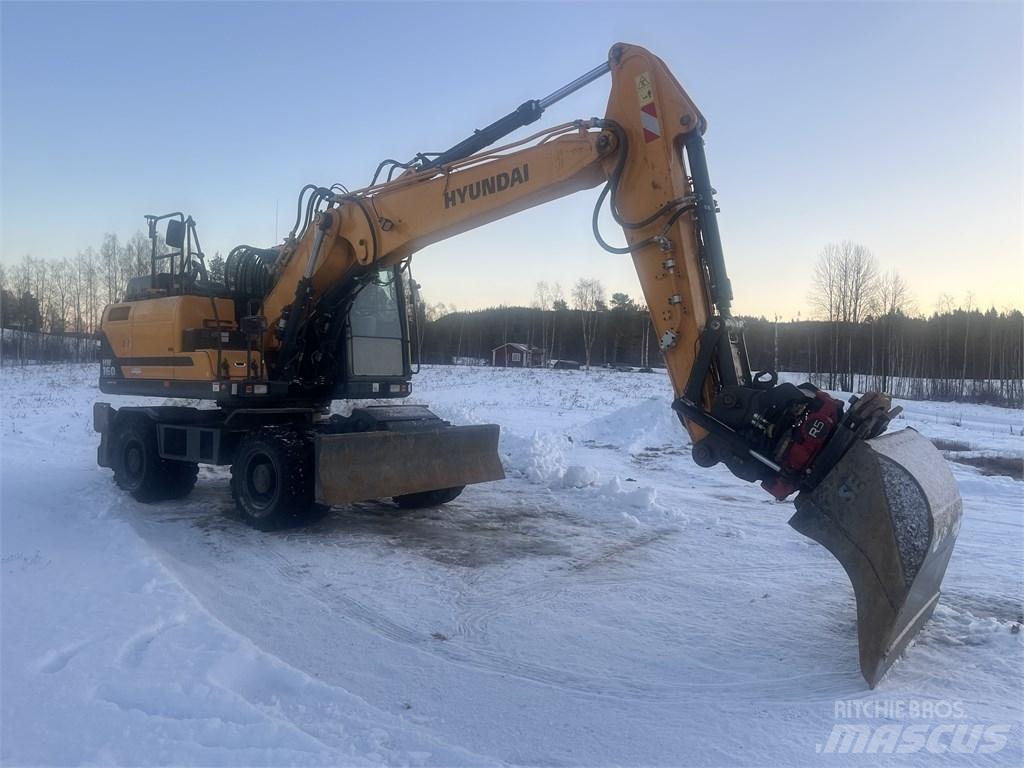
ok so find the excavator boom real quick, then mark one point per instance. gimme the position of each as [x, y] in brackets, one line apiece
[885, 505]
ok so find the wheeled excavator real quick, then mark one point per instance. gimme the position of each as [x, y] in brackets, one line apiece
[324, 316]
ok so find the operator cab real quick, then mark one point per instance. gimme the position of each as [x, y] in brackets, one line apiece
[220, 326]
[376, 340]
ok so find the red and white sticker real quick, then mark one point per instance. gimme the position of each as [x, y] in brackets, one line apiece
[648, 110]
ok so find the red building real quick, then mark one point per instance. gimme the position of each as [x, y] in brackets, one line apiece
[513, 355]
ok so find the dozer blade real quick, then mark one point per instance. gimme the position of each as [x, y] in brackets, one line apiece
[373, 465]
[890, 512]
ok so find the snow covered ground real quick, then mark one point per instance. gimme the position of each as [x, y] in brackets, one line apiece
[607, 604]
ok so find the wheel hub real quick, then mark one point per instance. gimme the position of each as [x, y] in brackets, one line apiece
[262, 480]
[133, 458]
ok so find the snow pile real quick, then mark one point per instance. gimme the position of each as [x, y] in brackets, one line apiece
[577, 476]
[541, 459]
[952, 626]
[648, 425]
[638, 498]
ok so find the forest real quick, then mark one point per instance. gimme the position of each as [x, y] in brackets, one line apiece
[960, 354]
[865, 330]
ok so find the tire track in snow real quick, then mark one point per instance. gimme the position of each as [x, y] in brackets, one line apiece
[352, 608]
[469, 645]
[134, 649]
[54, 661]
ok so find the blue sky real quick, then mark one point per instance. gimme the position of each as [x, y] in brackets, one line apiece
[896, 125]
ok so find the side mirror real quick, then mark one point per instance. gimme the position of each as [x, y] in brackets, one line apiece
[175, 233]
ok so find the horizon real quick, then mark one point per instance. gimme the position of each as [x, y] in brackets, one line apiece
[787, 89]
[911, 313]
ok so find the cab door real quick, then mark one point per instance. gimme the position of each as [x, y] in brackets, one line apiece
[377, 337]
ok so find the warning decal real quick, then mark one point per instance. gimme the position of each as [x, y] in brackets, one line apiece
[648, 109]
[644, 89]
[649, 121]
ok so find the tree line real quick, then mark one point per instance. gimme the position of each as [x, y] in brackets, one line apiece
[961, 354]
[67, 295]
[586, 327]
[866, 331]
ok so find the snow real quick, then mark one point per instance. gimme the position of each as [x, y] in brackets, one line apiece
[609, 603]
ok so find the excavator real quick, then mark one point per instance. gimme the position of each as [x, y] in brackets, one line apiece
[325, 316]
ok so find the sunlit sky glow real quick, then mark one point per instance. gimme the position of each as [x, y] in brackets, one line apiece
[896, 125]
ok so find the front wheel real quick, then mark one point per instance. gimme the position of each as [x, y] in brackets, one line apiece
[272, 479]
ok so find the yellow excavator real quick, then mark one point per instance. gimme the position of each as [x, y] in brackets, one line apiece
[324, 316]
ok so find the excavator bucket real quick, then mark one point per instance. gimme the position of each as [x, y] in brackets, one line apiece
[889, 511]
[380, 464]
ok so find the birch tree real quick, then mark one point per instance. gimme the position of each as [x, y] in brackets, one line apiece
[587, 298]
[842, 290]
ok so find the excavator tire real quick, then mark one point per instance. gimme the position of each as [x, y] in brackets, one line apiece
[181, 479]
[139, 469]
[272, 479]
[428, 498]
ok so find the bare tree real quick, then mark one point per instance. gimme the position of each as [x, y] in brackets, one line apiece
[645, 344]
[63, 277]
[892, 301]
[842, 289]
[542, 301]
[110, 253]
[41, 286]
[557, 303]
[944, 309]
[825, 298]
[134, 258]
[91, 283]
[967, 333]
[587, 297]
[892, 295]
[23, 275]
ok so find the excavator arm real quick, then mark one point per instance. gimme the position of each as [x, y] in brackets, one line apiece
[639, 151]
[648, 152]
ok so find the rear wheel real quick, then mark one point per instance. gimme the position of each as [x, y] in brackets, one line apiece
[138, 468]
[272, 479]
[428, 498]
[181, 479]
